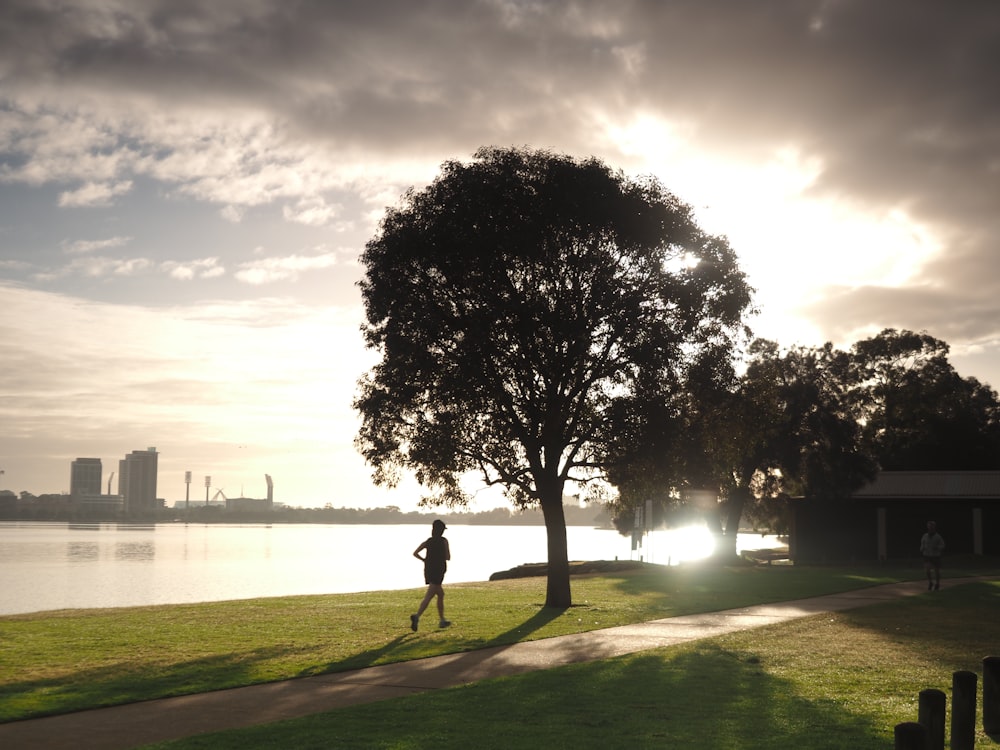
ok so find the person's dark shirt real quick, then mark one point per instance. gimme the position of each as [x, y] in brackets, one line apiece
[437, 553]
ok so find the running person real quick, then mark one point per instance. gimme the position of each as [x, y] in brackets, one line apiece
[436, 555]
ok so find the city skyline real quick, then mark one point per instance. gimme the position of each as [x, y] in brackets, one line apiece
[185, 192]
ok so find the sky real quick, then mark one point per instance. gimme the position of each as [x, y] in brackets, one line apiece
[186, 188]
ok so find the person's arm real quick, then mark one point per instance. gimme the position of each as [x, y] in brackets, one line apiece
[447, 550]
[416, 552]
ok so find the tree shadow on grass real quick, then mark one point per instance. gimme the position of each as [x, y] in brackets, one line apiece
[121, 683]
[695, 587]
[360, 660]
[702, 696]
[400, 648]
[536, 622]
[698, 696]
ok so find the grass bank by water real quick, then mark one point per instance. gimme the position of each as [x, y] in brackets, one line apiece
[68, 660]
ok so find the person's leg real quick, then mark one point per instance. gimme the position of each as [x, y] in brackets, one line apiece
[432, 591]
[415, 618]
[937, 574]
[929, 569]
[441, 605]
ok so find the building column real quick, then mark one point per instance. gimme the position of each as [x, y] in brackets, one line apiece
[883, 551]
[977, 531]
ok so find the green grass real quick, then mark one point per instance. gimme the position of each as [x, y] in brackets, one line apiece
[69, 660]
[826, 682]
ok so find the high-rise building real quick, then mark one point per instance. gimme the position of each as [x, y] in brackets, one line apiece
[137, 482]
[85, 477]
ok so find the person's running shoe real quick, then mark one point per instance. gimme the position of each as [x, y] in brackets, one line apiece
[414, 619]
[443, 624]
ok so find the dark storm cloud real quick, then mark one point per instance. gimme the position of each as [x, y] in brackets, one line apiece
[913, 79]
[895, 99]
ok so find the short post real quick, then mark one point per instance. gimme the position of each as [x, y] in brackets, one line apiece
[931, 716]
[991, 695]
[910, 736]
[963, 710]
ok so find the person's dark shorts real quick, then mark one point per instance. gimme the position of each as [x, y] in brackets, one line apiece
[933, 561]
[433, 576]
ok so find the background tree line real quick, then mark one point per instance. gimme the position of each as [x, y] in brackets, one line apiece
[806, 421]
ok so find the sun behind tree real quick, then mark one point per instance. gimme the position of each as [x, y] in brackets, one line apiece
[515, 302]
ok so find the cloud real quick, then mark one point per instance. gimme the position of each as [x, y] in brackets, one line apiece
[202, 268]
[14, 265]
[914, 307]
[94, 194]
[232, 214]
[283, 99]
[268, 270]
[79, 247]
[313, 211]
[98, 266]
[889, 106]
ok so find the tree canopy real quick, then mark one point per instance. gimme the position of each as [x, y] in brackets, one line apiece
[784, 426]
[517, 303]
[918, 412]
[816, 422]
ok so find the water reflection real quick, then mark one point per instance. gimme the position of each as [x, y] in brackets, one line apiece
[83, 551]
[135, 551]
[108, 544]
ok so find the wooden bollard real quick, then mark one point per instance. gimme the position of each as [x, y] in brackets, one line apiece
[931, 716]
[963, 710]
[991, 695]
[910, 736]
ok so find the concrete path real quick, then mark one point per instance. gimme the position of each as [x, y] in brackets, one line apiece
[137, 724]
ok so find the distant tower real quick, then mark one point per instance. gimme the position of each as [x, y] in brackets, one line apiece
[137, 481]
[270, 492]
[85, 477]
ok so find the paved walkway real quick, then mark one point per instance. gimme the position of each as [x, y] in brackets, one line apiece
[136, 724]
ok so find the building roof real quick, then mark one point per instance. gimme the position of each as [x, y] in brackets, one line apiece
[932, 484]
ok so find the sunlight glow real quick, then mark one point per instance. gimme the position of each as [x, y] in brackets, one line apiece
[683, 544]
[683, 262]
[793, 236]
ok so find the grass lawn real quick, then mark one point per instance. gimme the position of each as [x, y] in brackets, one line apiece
[833, 681]
[68, 660]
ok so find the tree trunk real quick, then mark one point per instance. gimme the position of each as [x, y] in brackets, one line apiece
[557, 591]
[726, 547]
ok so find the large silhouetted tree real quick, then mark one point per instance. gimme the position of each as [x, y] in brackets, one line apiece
[515, 302]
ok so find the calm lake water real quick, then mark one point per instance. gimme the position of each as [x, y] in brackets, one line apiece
[50, 566]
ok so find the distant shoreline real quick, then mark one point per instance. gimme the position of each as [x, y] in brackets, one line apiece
[595, 517]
